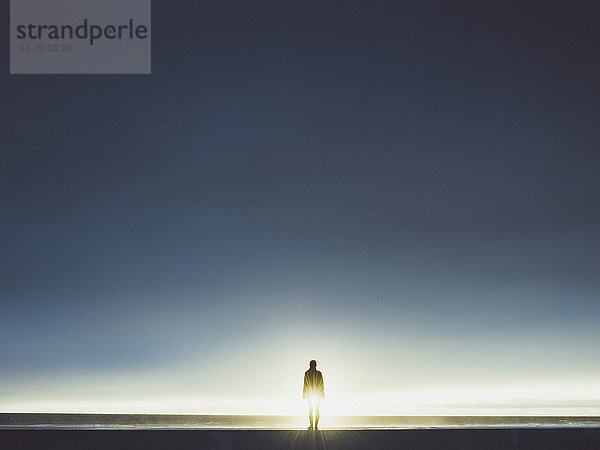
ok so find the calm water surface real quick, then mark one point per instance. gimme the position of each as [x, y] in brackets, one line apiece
[170, 421]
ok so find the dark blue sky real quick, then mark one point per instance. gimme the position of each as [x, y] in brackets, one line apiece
[360, 174]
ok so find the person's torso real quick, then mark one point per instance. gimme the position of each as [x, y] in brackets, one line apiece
[314, 377]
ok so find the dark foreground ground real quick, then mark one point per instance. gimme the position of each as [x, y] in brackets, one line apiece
[447, 439]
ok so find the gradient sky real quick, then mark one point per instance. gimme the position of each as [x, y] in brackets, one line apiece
[408, 192]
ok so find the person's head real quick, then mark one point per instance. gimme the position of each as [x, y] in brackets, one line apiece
[313, 364]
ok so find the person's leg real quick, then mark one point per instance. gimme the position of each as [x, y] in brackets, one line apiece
[317, 413]
[310, 413]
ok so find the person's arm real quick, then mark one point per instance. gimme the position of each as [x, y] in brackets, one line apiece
[305, 387]
[321, 386]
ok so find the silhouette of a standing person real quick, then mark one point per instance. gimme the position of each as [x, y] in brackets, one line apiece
[314, 391]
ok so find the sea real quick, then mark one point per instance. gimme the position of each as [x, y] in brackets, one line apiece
[274, 422]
